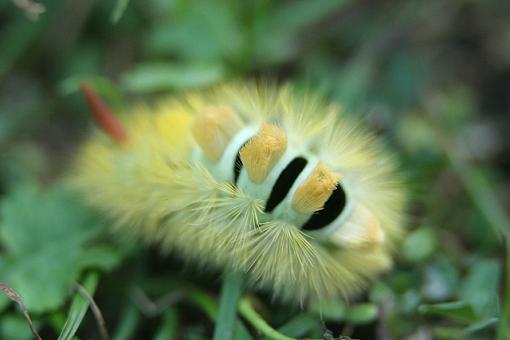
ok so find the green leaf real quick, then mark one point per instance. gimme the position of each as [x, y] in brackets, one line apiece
[419, 245]
[118, 11]
[455, 333]
[459, 310]
[14, 327]
[164, 77]
[101, 257]
[203, 30]
[441, 280]
[300, 325]
[381, 292]
[78, 308]
[362, 313]
[480, 288]
[481, 325]
[104, 86]
[333, 310]
[46, 239]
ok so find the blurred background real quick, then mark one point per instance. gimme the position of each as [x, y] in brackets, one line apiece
[432, 77]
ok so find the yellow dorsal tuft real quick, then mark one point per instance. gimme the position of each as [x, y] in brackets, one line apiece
[315, 190]
[261, 153]
[213, 128]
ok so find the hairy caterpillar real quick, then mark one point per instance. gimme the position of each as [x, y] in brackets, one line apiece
[281, 186]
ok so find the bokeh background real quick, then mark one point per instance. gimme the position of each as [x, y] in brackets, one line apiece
[432, 77]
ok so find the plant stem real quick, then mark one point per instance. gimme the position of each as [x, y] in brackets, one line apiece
[230, 294]
[254, 318]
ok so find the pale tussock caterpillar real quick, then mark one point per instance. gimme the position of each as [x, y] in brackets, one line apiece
[255, 178]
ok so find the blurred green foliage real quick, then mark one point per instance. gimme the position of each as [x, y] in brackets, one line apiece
[42, 229]
[432, 76]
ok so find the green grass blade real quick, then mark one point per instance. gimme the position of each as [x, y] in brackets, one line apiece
[209, 306]
[128, 323]
[78, 308]
[168, 328]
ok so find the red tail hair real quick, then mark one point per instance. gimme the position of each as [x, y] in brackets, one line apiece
[103, 115]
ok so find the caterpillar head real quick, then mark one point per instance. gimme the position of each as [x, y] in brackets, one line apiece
[282, 187]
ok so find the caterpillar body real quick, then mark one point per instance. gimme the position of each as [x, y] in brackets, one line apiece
[258, 179]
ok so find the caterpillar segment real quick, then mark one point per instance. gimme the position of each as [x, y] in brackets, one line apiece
[284, 188]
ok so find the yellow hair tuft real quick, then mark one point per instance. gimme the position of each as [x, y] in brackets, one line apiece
[213, 128]
[261, 153]
[311, 195]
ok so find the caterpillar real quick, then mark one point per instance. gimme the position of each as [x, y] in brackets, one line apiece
[280, 185]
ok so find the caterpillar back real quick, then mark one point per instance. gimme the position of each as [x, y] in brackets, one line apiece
[285, 188]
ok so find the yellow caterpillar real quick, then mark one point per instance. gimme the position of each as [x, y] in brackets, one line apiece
[252, 178]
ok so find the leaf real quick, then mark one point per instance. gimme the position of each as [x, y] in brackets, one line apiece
[15, 327]
[419, 245]
[201, 30]
[45, 237]
[440, 281]
[118, 11]
[151, 77]
[480, 288]
[104, 86]
[78, 308]
[481, 325]
[300, 325]
[362, 313]
[463, 333]
[459, 310]
[333, 310]
[100, 257]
